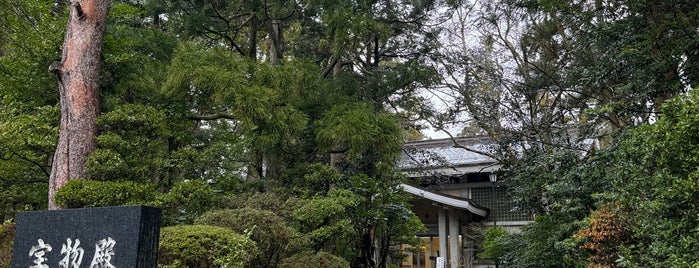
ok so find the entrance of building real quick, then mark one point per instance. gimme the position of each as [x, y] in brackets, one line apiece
[425, 255]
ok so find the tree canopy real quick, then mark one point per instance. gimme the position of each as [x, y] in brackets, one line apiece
[204, 101]
[292, 114]
[562, 87]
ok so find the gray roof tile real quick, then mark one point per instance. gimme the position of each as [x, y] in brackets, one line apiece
[443, 153]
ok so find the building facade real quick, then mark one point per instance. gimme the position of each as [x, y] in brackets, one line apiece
[457, 197]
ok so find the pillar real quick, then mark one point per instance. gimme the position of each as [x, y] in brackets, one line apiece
[433, 251]
[417, 255]
[454, 238]
[442, 224]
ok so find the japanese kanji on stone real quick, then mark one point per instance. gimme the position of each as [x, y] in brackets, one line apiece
[107, 237]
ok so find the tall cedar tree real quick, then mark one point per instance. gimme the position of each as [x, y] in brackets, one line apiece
[78, 74]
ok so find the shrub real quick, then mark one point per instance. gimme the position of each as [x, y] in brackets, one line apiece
[272, 201]
[313, 260]
[493, 245]
[203, 246]
[604, 232]
[88, 193]
[269, 231]
[315, 179]
[188, 200]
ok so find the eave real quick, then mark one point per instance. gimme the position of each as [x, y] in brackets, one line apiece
[446, 200]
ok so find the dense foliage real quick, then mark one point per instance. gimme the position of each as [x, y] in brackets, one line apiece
[572, 92]
[84, 193]
[310, 260]
[285, 119]
[203, 246]
[657, 188]
[268, 230]
[28, 98]
[207, 103]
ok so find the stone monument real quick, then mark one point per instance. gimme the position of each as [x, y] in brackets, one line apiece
[104, 237]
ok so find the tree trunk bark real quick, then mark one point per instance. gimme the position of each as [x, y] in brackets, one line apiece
[252, 38]
[78, 75]
[274, 27]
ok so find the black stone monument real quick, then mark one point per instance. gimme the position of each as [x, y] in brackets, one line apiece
[109, 237]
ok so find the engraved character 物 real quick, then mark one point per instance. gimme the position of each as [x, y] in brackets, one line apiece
[73, 254]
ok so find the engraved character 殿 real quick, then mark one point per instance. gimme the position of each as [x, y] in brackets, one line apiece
[38, 253]
[104, 250]
[73, 254]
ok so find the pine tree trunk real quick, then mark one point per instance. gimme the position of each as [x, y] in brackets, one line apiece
[78, 75]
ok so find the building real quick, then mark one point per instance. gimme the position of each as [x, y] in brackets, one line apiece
[457, 196]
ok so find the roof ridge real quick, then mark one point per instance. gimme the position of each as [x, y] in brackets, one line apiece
[480, 138]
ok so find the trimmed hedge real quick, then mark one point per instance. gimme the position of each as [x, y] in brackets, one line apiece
[314, 260]
[90, 193]
[203, 246]
[269, 231]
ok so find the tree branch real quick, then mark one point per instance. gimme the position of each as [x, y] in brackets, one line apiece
[39, 165]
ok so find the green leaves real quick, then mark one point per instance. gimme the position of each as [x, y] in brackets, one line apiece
[188, 200]
[494, 247]
[361, 131]
[314, 259]
[267, 229]
[27, 140]
[223, 85]
[194, 110]
[135, 58]
[86, 193]
[317, 179]
[7, 236]
[133, 145]
[657, 184]
[31, 38]
[203, 246]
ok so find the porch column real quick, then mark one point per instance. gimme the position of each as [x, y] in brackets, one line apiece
[442, 220]
[454, 251]
[428, 253]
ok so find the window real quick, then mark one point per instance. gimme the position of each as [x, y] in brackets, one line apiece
[501, 206]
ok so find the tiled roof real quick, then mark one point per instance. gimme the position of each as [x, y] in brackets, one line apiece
[443, 153]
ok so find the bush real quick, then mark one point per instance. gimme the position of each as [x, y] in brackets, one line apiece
[313, 260]
[88, 193]
[7, 235]
[188, 200]
[315, 179]
[269, 231]
[271, 201]
[493, 245]
[203, 246]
